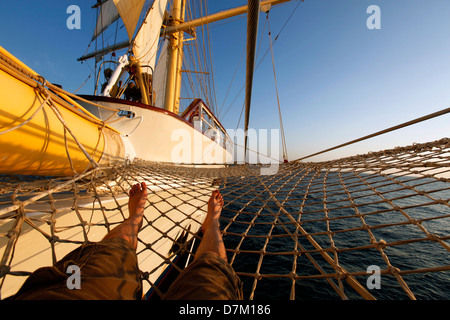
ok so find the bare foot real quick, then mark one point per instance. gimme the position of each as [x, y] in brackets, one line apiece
[215, 205]
[130, 227]
[138, 197]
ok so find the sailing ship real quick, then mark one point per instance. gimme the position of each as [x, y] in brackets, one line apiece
[133, 114]
[68, 160]
[135, 123]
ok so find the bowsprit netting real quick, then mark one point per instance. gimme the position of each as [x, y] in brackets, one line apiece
[308, 231]
[328, 222]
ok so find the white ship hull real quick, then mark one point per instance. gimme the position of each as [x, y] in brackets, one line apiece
[154, 134]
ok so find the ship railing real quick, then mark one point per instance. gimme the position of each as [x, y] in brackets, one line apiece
[204, 120]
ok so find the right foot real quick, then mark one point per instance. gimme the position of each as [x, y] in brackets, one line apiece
[215, 205]
[138, 197]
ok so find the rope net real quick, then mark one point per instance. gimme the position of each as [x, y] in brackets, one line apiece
[310, 230]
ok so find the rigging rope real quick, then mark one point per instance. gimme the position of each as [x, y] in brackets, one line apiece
[400, 126]
[283, 139]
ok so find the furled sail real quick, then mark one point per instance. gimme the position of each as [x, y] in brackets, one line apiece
[146, 41]
[108, 15]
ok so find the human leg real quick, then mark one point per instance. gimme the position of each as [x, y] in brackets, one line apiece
[108, 269]
[209, 276]
[129, 229]
[212, 240]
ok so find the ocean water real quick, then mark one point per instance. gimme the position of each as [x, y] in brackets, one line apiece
[246, 226]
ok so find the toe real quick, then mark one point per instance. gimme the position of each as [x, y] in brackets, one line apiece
[134, 189]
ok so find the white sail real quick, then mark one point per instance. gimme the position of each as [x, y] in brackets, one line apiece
[130, 11]
[146, 42]
[108, 14]
[159, 77]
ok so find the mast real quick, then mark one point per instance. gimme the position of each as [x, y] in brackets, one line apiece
[175, 32]
[252, 32]
[179, 63]
[175, 51]
[175, 48]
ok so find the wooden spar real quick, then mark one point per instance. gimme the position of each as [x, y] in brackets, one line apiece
[121, 45]
[252, 32]
[185, 26]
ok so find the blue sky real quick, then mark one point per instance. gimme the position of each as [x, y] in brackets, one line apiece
[337, 79]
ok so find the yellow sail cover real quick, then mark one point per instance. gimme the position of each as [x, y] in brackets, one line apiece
[43, 134]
